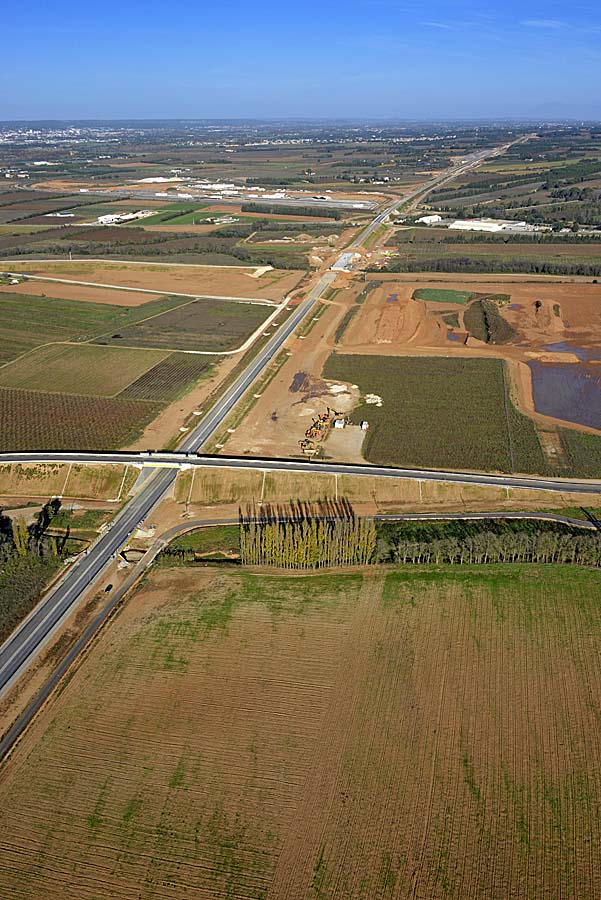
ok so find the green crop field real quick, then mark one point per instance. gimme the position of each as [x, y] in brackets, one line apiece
[410, 733]
[44, 377]
[197, 216]
[438, 295]
[79, 369]
[444, 413]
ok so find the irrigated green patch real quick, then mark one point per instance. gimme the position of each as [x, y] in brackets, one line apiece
[440, 295]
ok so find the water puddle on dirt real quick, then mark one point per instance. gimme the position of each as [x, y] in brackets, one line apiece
[567, 391]
[515, 306]
[298, 382]
[583, 353]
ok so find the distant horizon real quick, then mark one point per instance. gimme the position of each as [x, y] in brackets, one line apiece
[389, 120]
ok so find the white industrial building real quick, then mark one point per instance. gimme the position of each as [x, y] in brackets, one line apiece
[430, 220]
[117, 218]
[490, 225]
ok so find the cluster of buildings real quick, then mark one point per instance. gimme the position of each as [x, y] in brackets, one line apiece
[118, 218]
[492, 226]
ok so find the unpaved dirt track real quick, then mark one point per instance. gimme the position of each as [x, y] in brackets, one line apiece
[414, 734]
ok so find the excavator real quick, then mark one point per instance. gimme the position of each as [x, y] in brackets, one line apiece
[318, 430]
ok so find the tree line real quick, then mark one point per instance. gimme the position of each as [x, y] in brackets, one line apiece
[29, 556]
[489, 547]
[489, 264]
[307, 543]
[273, 210]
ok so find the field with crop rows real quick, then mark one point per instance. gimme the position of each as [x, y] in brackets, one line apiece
[44, 348]
[444, 413]
[336, 736]
[32, 420]
[200, 325]
[169, 378]
[79, 369]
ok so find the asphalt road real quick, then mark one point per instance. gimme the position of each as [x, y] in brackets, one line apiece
[163, 462]
[26, 642]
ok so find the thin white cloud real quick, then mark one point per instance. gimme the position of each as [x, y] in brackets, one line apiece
[544, 23]
[442, 25]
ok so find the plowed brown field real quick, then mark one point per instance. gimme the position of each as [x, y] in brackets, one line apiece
[224, 281]
[79, 292]
[419, 733]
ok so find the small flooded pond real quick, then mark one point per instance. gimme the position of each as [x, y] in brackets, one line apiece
[567, 391]
[583, 353]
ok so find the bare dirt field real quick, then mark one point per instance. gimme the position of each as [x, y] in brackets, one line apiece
[68, 481]
[223, 281]
[570, 312]
[80, 292]
[334, 736]
[217, 493]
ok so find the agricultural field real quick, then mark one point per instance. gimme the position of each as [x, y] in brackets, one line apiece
[67, 350]
[85, 369]
[181, 242]
[28, 321]
[89, 397]
[441, 250]
[553, 178]
[81, 293]
[45, 421]
[441, 413]
[169, 378]
[212, 281]
[208, 325]
[32, 206]
[442, 295]
[350, 735]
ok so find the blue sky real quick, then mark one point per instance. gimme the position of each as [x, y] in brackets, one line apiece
[361, 58]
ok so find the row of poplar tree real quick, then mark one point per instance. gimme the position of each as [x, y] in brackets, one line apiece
[488, 547]
[308, 543]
